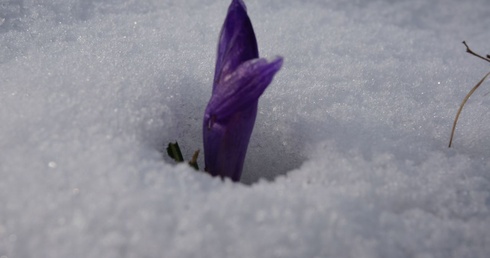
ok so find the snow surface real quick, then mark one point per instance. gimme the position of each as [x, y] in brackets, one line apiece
[348, 158]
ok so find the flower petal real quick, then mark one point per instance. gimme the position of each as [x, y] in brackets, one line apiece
[225, 144]
[237, 42]
[240, 89]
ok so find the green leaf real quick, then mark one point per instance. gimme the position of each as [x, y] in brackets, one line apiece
[173, 151]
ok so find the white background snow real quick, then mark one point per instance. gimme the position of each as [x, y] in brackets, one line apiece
[348, 157]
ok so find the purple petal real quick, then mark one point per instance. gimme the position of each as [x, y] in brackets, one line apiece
[237, 42]
[240, 89]
[230, 116]
[225, 144]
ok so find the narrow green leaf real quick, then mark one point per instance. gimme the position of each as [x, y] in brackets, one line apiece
[173, 151]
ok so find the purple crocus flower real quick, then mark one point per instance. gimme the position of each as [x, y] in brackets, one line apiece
[240, 78]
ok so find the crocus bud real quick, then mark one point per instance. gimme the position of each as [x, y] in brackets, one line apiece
[240, 78]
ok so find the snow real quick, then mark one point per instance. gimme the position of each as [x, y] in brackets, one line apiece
[348, 157]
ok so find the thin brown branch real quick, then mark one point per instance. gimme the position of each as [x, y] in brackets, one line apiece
[462, 104]
[475, 54]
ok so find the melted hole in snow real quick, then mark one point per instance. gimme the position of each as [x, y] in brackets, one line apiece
[269, 155]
